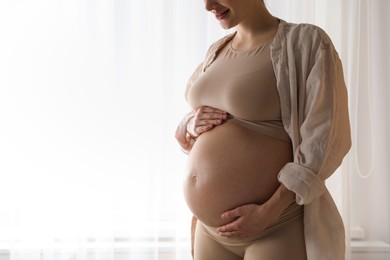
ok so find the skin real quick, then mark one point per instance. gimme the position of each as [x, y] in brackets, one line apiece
[254, 25]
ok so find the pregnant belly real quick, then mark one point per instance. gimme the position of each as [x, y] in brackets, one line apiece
[231, 166]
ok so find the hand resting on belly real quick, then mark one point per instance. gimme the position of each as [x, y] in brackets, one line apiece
[231, 166]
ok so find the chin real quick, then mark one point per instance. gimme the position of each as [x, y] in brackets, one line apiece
[226, 26]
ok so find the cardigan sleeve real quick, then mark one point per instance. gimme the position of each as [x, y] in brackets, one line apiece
[319, 120]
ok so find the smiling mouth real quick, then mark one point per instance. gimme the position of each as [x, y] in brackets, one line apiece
[222, 15]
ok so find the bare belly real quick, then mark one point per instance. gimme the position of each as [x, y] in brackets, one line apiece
[231, 166]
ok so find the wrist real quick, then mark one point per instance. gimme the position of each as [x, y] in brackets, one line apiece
[282, 198]
[189, 134]
[181, 131]
[287, 195]
[182, 136]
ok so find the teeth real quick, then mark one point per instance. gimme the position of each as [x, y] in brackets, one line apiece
[222, 12]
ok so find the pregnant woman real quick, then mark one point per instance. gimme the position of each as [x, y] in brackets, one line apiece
[269, 123]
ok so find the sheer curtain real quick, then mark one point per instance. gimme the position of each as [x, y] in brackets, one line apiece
[91, 93]
[369, 78]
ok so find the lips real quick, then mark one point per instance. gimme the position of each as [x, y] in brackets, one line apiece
[221, 14]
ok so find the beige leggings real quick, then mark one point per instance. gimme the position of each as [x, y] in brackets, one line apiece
[282, 241]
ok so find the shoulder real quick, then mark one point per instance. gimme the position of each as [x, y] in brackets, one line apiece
[214, 47]
[305, 34]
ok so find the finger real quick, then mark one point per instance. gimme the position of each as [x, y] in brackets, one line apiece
[191, 128]
[231, 234]
[207, 109]
[198, 130]
[231, 214]
[212, 115]
[204, 113]
[210, 122]
[230, 227]
[201, 129]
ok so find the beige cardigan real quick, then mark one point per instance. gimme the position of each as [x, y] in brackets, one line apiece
[314, 106]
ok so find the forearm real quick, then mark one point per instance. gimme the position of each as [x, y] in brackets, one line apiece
[185, 140]
[281, 199]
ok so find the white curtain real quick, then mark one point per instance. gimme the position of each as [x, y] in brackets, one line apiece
[369, 78]
[90, 94]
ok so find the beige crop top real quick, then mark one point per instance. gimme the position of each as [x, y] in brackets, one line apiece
[243, 84]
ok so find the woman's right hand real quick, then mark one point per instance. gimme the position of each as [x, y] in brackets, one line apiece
[205, 119]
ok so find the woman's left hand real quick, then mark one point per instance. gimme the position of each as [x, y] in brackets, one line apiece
[252, 219]
[248, 220]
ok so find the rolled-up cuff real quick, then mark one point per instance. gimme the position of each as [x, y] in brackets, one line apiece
[302, 181]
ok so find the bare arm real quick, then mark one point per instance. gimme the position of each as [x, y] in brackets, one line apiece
[185, 140]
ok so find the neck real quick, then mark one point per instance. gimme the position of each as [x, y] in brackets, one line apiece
[258, 26]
